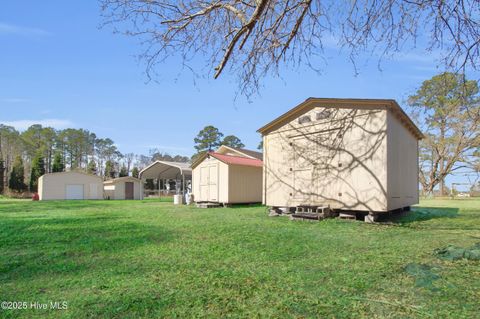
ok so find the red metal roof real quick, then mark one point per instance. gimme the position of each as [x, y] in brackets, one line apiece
[237, 160]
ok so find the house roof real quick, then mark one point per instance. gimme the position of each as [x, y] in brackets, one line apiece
[248, 153]
[72, 172]
[312, 102]
[122, 179]
[237, 160]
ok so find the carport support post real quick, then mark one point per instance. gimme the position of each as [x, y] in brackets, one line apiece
[183, 186]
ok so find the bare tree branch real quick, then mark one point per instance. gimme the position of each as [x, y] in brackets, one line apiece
[254, 38]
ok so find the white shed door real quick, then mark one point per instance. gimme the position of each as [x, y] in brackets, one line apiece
[74, 192]
[204, 184]
[213, 183]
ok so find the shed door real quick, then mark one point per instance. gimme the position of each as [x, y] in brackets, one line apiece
[303, 150]
[204, 183]
[328, 170]
[74, 192]
[128, 190]
[213, 183]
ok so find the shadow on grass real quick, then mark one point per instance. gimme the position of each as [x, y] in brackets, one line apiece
[31, 206]
[36, 247]
[418, 214]
[247, 205]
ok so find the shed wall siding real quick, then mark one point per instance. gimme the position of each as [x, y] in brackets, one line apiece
[245, 184]
[339, 160]
[223, 182]
[402, 165]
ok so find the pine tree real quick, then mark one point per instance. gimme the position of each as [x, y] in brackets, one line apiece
[92, 167]
[208, 139]
[123, 172]
[38, 169]
[135, 172]
[109, 170]
[260, 146]
[58, 165]
[232, 141]
[17, 176]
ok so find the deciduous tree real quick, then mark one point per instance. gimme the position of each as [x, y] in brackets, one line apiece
[447, 109]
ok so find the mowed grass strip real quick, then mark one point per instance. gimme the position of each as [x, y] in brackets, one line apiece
[149, 259]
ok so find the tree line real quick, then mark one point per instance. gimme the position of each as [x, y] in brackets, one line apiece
[446, 108]
[27, 155]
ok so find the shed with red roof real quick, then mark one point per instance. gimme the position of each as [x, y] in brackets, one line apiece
[228, 176]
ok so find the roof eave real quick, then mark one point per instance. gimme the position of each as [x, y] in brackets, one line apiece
[310, 101]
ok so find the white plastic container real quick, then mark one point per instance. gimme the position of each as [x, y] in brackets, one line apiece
[177, 199]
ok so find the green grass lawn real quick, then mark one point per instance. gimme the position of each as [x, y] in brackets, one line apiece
[149, 259]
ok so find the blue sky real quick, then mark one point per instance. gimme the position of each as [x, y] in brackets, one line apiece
[60, 69]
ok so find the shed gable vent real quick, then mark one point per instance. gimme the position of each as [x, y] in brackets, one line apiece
[325, 114]
[304, 119]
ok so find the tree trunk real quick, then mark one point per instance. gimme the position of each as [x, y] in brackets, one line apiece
[2, 177]
[443, 191]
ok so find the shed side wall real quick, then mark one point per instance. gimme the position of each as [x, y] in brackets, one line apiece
[245, 184]
[402, 156]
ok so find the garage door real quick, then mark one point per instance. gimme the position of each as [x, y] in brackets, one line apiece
[74, 192]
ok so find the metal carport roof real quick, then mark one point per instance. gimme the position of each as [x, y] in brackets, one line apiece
[166, 170]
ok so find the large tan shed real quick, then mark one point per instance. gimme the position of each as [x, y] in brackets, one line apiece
[228, 176]
[70, 185]
[123, 188]
[350, 154]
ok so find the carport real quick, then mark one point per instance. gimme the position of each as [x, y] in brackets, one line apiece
[165, 173]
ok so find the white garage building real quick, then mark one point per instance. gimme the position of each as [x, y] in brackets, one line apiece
[70, 185]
